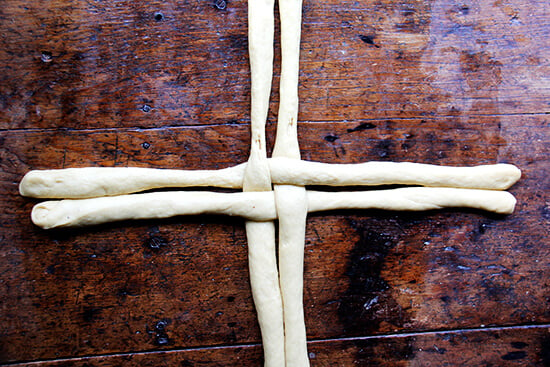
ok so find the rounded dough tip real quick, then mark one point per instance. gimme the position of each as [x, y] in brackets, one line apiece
[27, 183]
[513, 202]
[515, 175]
[508, 205]
[41, 214]
[510, 174]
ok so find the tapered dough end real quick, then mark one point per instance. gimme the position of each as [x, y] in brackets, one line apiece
[54, 183]
[510, 175]
[31, 184]
[47, 215]
[507, 205]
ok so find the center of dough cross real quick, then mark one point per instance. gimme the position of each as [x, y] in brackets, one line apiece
[274, 189]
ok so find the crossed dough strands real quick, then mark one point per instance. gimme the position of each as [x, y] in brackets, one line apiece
[100, 193]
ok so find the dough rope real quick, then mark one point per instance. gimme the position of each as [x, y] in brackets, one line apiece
[89, 182]
[291, 200]
[262, 259]
[259, 206]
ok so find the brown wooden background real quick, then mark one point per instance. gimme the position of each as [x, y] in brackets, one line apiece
[166, 84]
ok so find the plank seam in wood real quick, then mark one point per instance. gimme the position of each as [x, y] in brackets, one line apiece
[253, 345]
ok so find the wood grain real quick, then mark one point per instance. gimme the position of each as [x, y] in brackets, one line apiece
[502, 347]
[75, 64]
[166, 85]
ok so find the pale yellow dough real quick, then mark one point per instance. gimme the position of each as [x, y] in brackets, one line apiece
[490, 177]
[264, 276]
[79, 183]
[291, 200]
[261, 206]
[89, 182]
[413, 199]
[258, 206]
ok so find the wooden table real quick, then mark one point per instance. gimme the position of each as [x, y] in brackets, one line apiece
[165, 84]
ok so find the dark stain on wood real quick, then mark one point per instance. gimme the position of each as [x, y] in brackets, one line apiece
[155, 241]
[368, 299]
[384, 149]
[89, 313]
[519, 345]
[331, 138]
[369, 40]
[370, 352]
[544, 348]
[514, 356]
[482, 71]
[361, 127]
[160, 333]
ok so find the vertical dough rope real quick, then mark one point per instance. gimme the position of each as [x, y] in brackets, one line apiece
[262, 261]
[291, 201]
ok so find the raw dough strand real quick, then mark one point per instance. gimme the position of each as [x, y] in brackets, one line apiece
[262, 260]
[260, 48]
[259, 206]
[89, 182]
[489, 177]
[291, 201]
[413, 199]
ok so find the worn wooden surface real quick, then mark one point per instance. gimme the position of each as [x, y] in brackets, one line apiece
[166, 84]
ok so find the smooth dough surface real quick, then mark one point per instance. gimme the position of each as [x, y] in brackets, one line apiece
[413, 199]
[291, 200]
[264, 281]
[89, 182]
[259, 206]
[264, 276]
[492, 177]
[79, 183]
[84, 212]
[291, 204]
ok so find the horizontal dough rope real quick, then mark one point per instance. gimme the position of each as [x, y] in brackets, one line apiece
[79, 183]
[296, 172]
[413, 199]
[257, 206]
